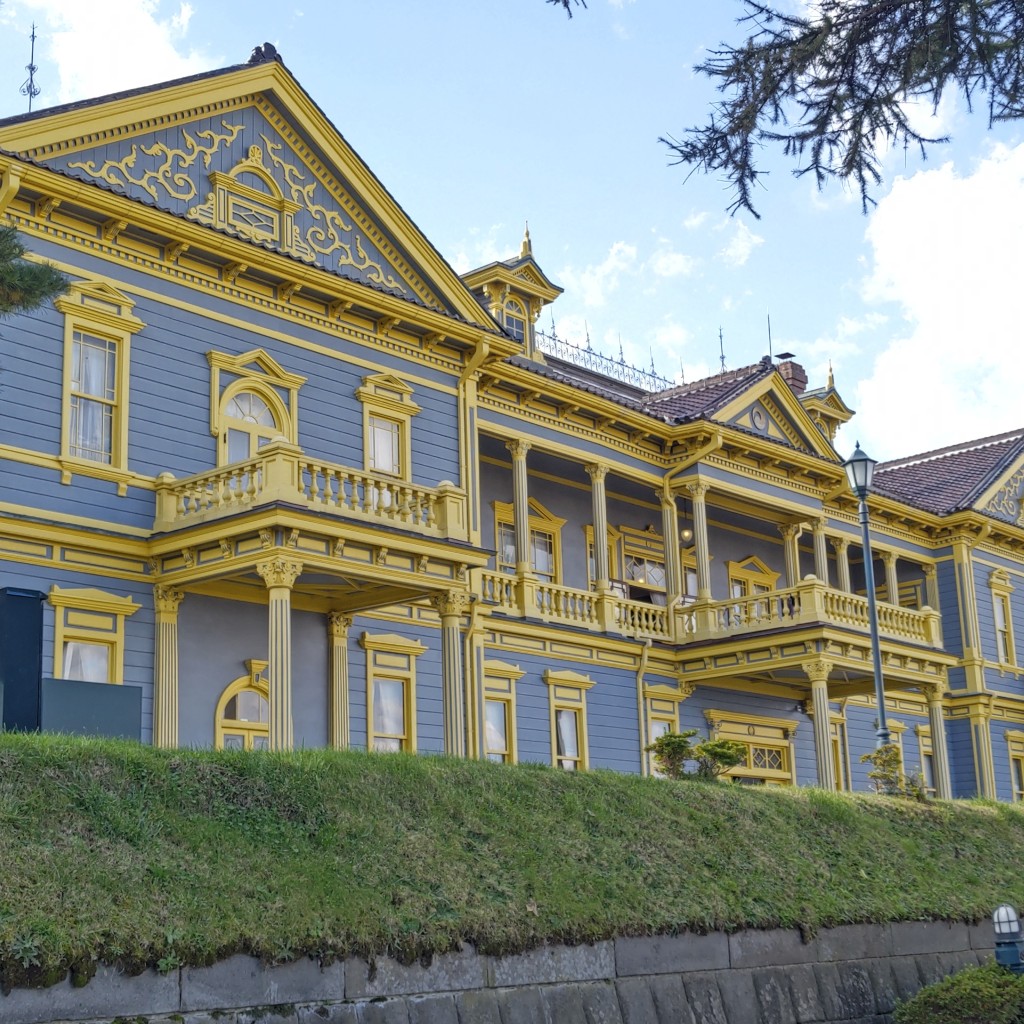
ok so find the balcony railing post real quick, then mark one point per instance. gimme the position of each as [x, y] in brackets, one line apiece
[166, 502]
[451, 511]
[812, 600]
[280, 460]
[609, 616]
[932, 626]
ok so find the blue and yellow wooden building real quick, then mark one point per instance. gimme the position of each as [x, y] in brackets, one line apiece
[274, 475]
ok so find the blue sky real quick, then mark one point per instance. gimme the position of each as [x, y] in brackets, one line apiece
[481, 116]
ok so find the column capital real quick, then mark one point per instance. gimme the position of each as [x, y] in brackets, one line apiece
[929, 570]
[279, 572]
[698, 491]
[818, 524]
[452, 602]
[596, 470]
[818, 670]
[839, 543]
[932, 691]
[167, 599]
[518, 448]
[888, 557]
[789, 530]
[338, 624]
[668, 501]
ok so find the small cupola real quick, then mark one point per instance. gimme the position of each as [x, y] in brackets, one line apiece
[514, 292]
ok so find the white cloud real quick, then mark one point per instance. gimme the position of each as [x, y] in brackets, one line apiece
[484, 245]
[145, 41]
[946, 249]
[596, 283]
[739, 247]
[666, 263]
[695, 220]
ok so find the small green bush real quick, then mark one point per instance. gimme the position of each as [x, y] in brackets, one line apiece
[710, 758]
[977, 995]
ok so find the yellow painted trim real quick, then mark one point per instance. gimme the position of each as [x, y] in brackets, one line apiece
[255, 681]
[499, 684]
[540, 521]
[388, 398]
[567, 691]
[757, 730]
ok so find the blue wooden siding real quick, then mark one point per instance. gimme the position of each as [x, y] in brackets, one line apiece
[961, 757]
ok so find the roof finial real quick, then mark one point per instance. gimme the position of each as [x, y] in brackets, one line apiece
[527, 249]
[586, 327]
[622, 355]
[30, 89]
[831, 379]
[721, 349]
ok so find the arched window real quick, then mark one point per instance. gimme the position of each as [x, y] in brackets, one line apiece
[242, 720]
[515, 319]
[249, 423]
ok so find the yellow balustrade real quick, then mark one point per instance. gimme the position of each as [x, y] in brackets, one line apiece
[280, 472]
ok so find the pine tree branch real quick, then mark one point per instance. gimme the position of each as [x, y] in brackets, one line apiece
[25, 285]
[567, 4]
[832, 87]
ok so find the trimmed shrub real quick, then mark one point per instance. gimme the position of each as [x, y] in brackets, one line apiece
[977, 995]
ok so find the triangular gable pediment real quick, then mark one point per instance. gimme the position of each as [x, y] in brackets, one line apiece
[770, 409]
[248, 153]
[1004, 497]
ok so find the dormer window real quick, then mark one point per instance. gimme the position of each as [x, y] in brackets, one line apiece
[515, 319]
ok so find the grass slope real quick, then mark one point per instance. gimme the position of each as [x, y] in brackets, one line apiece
[130, 855]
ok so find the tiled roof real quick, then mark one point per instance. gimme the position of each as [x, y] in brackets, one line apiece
[948, 479]
[704, 397]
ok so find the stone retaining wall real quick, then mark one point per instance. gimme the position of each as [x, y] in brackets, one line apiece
[854, 974]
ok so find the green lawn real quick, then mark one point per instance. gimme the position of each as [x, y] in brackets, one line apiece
[122, 853]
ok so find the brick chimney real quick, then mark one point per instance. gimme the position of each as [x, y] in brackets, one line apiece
[794, 375]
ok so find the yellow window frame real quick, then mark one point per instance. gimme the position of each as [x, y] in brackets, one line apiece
[255, 682]
[260, 373]
[541, 521]
[392, 658]
[90, 616]
[388, 398]
[94, 309]
[1015, 751]
[661, 705]
[1002, 609]
[515, 310]
[567, 691]
[500, 680]
[614, 538]
[757, 732]
[926, 750]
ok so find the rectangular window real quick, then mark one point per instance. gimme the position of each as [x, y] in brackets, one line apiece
[567, 739]
[389, 714]
[769, 759]
[1004, 641]
[543, 541]
[496, 730]
[88, 642]
[659, 727]
[542, 554]
[93, 397]
[1017, 765]
[385, 446]
[567, 693]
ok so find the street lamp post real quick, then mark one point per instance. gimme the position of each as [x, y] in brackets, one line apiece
[860, 470]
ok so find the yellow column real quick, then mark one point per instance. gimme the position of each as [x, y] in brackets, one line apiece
[940, 756]
[817, 672]
[670, 531]
[338, 625]
[165, 678]
[842, 549]
[598, 496]
[973, 660]
[791, 553]
[450, 607]
[820, 550]
[931, 587]
[521, 505]
[280, 574]
[702, 553]
[892, 581]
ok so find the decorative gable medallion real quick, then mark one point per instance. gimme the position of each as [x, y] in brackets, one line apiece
[1008, 501]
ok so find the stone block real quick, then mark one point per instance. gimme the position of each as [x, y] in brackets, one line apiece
[283, 1013]
[108, 994]
[930, 969]
[550, 965]
[448, 972]
[772, 989]
[433, 1009]
[245, 981]
[384, 1011]
[803, 992]
[671, 954]
[739, 999]
[329, 1013]
[830, 991]
[854, 942]
[670, 999]
[773, 947]
[478, 1007]
[981, 936]
[523, 1006]
[704, 997]
[600, 1002]
[858, 993]
[906, 977]
[564, 1004]
[636, 1003]
[911, 938]
[882, 983]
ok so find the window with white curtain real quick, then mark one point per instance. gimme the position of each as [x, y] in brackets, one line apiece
[93, 397]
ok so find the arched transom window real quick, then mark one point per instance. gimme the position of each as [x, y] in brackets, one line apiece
[242, 720]
[249, 424]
